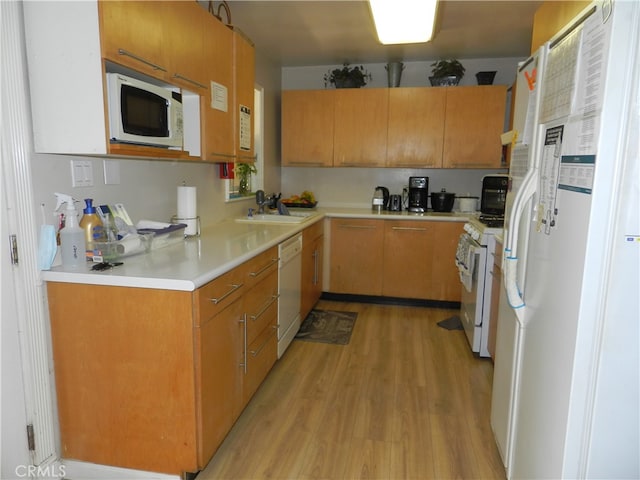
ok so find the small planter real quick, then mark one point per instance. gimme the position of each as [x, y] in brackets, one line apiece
[446, 73]
[347, 77]
[346, 83]
[448, 81]
[485, 78]
[394, 73]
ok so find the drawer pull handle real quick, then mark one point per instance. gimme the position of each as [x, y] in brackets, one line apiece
[410, 229]
[364, 227]
[140, 59]
[263, 269]
[188, 80]
[265, 308]
[234, 287]
[255, 353]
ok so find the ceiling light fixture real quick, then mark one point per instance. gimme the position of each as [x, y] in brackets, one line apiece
[404, 21]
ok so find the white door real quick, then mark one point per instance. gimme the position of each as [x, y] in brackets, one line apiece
[13, 443]
[26, 370]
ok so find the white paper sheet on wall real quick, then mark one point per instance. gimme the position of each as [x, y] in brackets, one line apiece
[245, 128]
[219, 97]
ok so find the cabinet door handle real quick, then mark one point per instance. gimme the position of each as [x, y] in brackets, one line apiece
[243, 321]
[307, 164]
[188, 80]
[265, 307]
[140, 59]
[234, 287]
[255, 353]
[410, 229]
[222, 155]
[263, 269]
[316, 255]
[352, 164]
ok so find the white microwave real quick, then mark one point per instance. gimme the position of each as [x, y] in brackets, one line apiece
[143, 114]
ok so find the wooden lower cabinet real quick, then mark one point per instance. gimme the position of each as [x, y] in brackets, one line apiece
[356, 256]
[395, 258]
[220, 354]
[124, 368]
[312, 258]
[408, 248]
[153, 379]
[261, 340]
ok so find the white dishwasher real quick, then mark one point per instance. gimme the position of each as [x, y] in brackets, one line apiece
[289, 279]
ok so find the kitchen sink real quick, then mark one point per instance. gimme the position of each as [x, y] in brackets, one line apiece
[293, 218]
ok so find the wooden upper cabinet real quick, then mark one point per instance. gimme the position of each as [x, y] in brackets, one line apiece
[307, 128]
[551, 17]
[217, 106]
[244, 71]
[135, 44]
[360, 128]
[416, 127]
[183, 23]
[473, 123]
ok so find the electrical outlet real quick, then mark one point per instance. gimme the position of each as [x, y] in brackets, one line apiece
[81, 173]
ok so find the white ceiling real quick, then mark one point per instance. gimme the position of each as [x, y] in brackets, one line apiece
[318, 32]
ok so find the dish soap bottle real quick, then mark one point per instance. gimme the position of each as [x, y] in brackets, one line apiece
[72, 242]
[92, 226]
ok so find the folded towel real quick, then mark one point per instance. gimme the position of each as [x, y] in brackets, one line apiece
[143, 224]
[162, 231]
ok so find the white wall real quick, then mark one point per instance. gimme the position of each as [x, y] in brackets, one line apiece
[354, 186]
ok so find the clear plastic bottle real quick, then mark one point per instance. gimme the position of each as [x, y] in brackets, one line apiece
[72, 242]
[92, 226]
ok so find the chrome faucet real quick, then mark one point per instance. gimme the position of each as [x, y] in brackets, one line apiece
[261, 201]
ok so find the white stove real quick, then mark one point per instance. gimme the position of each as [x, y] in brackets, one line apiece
[475, 247]
[480, 229]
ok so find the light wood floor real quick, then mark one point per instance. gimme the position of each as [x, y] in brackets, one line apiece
[405, 399]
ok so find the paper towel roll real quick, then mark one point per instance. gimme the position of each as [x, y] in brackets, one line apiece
[130, 245]
[187, 210]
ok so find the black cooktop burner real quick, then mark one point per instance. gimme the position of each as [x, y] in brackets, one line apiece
[492, 221]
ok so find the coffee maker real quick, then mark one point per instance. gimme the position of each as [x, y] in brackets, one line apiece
[418, 194]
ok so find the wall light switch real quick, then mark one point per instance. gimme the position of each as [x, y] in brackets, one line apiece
[111, 172]
[81, 173]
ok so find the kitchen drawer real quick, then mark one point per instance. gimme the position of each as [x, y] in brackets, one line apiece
[218, 294]
[261, 356]
[261, 306]
[312, 232]
[261, 266]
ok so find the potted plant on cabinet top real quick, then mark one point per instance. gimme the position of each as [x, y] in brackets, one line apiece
[347, 77]
[446, 73]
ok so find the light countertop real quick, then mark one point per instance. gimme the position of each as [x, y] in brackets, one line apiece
[191, 264]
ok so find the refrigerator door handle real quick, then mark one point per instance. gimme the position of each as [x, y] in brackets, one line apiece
[514, 295]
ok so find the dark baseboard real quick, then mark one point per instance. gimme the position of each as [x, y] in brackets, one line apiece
[407, 302]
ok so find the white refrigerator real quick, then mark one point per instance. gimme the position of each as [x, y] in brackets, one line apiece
[566, 396]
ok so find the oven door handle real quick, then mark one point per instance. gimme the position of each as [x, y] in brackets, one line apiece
[466, 265]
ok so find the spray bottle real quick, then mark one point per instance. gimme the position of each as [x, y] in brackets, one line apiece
[72, 240]
[92, 226]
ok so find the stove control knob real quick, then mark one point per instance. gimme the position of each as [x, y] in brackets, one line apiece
[475, 234]
[467, 228]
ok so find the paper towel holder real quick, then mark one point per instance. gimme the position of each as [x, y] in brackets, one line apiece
[176, 219]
